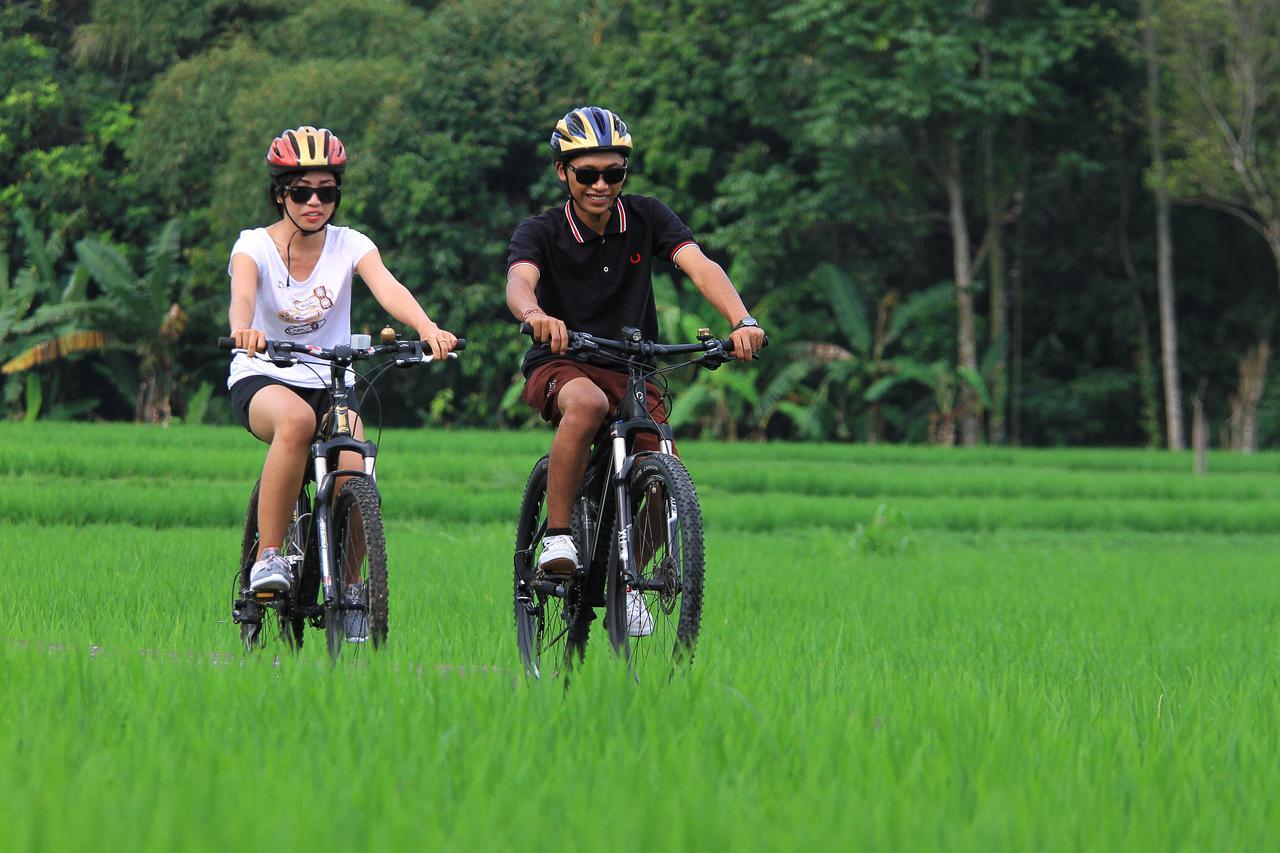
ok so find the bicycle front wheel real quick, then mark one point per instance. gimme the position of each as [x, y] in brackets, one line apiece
[357, 616]
[653, 613]
[551, 631]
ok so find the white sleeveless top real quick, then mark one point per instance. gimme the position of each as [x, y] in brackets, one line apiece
[314, 311]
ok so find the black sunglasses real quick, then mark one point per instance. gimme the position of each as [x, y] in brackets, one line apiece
[301, 193]
[588, 176]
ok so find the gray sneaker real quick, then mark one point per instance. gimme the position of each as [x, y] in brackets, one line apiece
[356, 622]
[271, 573]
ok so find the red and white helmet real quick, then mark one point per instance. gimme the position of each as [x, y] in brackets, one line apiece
[306, 149]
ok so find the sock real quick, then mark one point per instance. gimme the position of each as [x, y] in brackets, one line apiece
[559, 531]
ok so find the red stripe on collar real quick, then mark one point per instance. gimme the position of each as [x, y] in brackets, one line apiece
[573, 226]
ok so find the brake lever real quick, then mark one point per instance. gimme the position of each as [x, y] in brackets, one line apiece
[279, 359]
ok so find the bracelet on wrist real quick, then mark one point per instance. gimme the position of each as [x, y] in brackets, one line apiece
[530, 312]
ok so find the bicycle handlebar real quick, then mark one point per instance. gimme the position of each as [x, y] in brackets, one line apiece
[636, 345]
[280, 351]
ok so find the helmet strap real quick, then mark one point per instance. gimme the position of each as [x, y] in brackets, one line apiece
[288, 247]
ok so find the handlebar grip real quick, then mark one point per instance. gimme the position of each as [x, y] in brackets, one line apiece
[460, 345]
[526, 329]
[226, 343]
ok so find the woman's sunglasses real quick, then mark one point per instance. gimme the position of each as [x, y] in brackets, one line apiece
[301, 194]
[588, 176]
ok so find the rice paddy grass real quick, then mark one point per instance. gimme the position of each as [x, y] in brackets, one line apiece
[902, 648]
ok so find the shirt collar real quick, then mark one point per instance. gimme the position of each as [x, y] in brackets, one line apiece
[617, 223]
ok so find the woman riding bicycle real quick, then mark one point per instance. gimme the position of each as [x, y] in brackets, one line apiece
[292, 281]
[586, 266]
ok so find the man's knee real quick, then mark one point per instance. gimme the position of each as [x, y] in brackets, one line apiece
[582, 403]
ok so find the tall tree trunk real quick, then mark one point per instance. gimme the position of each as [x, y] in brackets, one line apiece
[998, 335]
[1164, 240]
[1017, 276]
[1242, 429]
[965, 334]
[1149, 406]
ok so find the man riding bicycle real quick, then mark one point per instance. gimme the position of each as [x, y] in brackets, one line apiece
[587, 266]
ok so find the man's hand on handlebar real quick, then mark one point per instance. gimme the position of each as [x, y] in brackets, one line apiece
[549, 330]
[252, 341]
[747, 341]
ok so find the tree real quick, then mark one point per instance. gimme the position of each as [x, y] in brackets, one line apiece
[1164, 240]
[940, 73]
[1224, 114]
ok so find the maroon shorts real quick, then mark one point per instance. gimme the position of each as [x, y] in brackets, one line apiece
[542, 389]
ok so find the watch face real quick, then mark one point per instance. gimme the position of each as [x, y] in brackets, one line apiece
[747, 321]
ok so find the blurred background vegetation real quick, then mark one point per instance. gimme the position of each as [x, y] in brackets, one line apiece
[950, 216]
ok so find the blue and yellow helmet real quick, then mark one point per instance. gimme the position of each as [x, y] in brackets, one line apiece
[586, 130]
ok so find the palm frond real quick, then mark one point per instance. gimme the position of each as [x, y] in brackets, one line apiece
[76, 284]
[686, 408]
[110, 269]
[162, 259]
[37, 254]
[921, 305]
[54, 349]
[850, 313]
[819, 352]
[904, 371]
[786, 380]
[975, 381]
[52, 313]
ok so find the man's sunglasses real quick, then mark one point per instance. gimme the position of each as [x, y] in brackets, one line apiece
[588, 176]
[301, 194]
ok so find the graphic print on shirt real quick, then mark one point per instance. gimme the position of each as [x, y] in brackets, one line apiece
[308, 313]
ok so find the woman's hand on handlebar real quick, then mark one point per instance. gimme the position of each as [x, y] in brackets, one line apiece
[549, 330]
[440, 341]
[252, 341]
[747, 341]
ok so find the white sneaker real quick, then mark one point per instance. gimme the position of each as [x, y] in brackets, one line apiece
[639, 620]
[559, 555]
[271, 573]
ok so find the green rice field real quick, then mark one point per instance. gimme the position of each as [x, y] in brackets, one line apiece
[902, 648]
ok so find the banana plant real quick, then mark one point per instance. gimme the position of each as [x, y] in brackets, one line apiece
[41, 319]
[859, 356]
[137, 313]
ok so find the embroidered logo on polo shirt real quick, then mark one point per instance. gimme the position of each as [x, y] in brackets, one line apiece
[635, 259]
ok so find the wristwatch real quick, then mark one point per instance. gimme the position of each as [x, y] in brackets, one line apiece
[747, 322]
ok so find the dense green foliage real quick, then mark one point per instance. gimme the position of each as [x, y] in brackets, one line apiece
[987, 649]
[847, 163]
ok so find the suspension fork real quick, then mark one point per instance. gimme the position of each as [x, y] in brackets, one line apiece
[626, 560]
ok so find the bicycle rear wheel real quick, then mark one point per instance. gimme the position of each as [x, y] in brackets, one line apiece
[551, 631]
[358, 614]
[666, 544]
[252, 615]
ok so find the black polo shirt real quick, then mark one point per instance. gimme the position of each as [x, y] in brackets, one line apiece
[598, 283]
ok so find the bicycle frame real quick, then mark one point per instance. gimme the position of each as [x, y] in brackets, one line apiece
[333, 437]
[632, 417]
